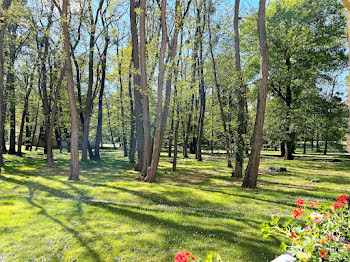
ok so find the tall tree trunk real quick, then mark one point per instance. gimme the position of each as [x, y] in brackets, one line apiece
[98, 139]
[74, 168]
[251, 175]
[24, 115]
[145, 98]
[283, 149]
[218, 92]
[202, 94]
[289, 148]
[5, 6]
[52, 120]
[121, 97]
[194, 72]
[162, 111]
[43, 87]
[58, 139]
[304, 146]
[35, 127]
[157, 144]
[28, 132]
[290, 141]
[132, 142]
[137, 87]
[177, 119]
[241, 94]
[10, 83]
[177, 106]
[325, 147]
[88, 105]
[110, 127]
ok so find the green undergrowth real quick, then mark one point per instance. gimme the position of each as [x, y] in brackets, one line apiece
[108, 216]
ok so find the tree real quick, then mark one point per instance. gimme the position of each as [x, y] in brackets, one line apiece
[74, 168]
[298, 57]
[137, 87]
[162, 110]
[89, 96]
[251, 175]
[241, 97]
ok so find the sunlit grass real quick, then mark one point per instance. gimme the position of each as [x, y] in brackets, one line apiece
[108, 216]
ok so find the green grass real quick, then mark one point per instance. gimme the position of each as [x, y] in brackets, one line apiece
[108, 216]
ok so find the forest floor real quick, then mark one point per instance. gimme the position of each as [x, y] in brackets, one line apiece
[108, 216]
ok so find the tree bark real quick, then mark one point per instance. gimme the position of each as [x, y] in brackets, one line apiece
[43, 87]
[202, 94]
[289, 147]
[282, 149]
[132, 142]
[35, 127]
[10, 83]
[137, 87]
[121, 97]
[74, 168]
[145, 98]
[151, 172]
[241, 95]
[251, 175]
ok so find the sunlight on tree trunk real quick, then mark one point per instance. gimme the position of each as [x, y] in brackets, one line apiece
[74, 168]
[251, 175]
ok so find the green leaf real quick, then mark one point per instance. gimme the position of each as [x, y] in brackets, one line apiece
[286, 224]
[283, 245]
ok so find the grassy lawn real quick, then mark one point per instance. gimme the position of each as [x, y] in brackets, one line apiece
[108, 216]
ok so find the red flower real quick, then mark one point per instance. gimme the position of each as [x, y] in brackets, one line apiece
[292, 235]
[298, 212]
[314, 203]
[300, 202]
[323, 254]
[330, 237]
[182, 257]
[343, 199]
[337, 205]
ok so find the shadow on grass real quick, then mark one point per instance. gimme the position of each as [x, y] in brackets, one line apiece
[144, 216]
